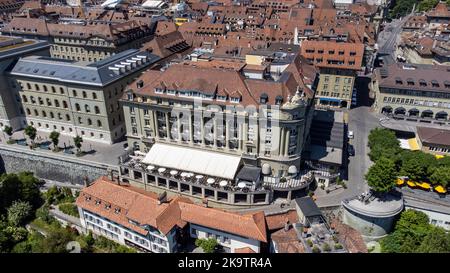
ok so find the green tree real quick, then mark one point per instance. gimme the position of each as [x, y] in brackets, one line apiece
[30, 189]
[426, 5]
[57, 241]
[402, 7]
[383, 143]
[441, 176]
[208, 245]
[78, 140]
[8, 130]
[31, 132]
[54, 136]
[381, 176]
[436, 241]
[409, 233]
[19, 212]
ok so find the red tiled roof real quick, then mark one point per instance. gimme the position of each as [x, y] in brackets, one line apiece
[277, 221]
[143, 207]
[249, 225]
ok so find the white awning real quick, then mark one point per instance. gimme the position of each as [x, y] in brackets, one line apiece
[193, 160]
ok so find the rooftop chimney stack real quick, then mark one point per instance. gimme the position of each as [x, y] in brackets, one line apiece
[286, 226]
[162, 198]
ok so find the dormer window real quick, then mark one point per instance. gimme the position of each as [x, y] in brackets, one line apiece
[171, 92]
[117, 210]
[235, 99]
[398, 81]
[423, 83]
[264, 98]
[107, 206]
[98, 202]
[130, 95]
[278, 100]
[434, 83]
[159, 90]
[140, 84]
[410, 81]
[222, 98]
[88, 198]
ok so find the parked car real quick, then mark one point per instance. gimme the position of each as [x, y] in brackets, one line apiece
[350, 134]
[351, 150]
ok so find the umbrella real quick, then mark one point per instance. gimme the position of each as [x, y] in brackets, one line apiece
[223, 183]
[199, 176]
[242, 185]
[150, 168]
[210, 181]
[183, 174]
[173, 172]
[189, 175]
[161, 170]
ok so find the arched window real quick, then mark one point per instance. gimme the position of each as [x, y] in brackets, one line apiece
[45, 88]
[28, 86]
[84, 94]
[67, 117]
[99, 123]
[94, 96]
[24, 98]
[80, 120]
[53, 89]
[52, 115]
[36, 87]
[89, 121]
[28, 112]
[77, 107]
[61, 90]
[74, 93]
[60, 116]
[49, 102]
[44, 114]
[97, 109]
[56, 103]
[113, 121]
[36, 113]
[87, 108]
[65, 104]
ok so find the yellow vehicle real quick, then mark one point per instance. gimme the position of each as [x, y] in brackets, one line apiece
[440, 189]
[424, 185]
[411, 183]
[400, 181]
[179, 21]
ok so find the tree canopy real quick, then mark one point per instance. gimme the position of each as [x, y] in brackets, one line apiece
[381, 176]
[414, 233]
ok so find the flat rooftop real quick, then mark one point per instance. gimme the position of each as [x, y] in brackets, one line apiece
[386, 206]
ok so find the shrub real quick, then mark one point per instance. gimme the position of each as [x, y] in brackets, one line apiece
[316, 249]
[69, 209]
[338, 246]
[326, 247]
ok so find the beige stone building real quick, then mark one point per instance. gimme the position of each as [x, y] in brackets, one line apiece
[11, 49]
[77, 98]
[83, 40]
[413, 92]
[339, 64]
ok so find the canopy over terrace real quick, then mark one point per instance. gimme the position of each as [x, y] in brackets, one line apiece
[193, 160]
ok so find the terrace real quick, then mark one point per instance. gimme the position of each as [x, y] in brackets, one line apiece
[244, 188]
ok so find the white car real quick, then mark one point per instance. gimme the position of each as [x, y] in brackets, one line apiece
[350, 134]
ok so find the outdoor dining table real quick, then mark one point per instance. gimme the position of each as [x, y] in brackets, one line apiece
[242, 185]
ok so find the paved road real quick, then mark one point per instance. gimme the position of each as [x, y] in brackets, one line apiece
[389, 37]
[361, 122]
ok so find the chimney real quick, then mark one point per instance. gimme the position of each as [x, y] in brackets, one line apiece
[162, 198]
[86, 181]
[287, 226]
[205, 202]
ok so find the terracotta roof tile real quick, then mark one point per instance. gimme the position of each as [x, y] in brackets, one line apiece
[249, 225]
[277, 221]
